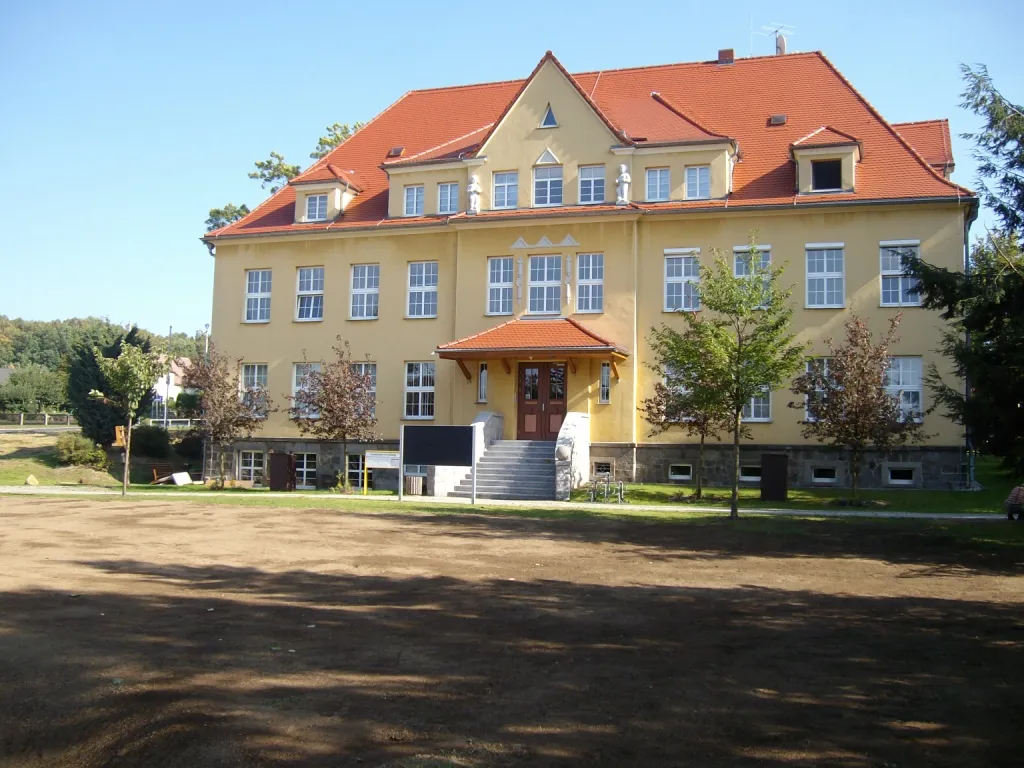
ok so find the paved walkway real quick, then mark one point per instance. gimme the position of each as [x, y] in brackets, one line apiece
[482, 504]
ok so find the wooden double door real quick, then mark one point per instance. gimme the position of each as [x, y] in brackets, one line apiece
[541, 406]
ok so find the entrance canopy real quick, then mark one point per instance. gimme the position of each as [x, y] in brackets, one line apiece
[533, 339]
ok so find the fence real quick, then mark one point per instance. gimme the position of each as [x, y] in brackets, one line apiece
[37, 419]
[171, 423]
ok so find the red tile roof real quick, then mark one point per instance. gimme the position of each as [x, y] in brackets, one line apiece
[534, 335]
[930, 138]
[694, 99]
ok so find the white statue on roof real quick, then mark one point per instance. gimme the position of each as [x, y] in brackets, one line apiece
[622, 186]
[474, 189]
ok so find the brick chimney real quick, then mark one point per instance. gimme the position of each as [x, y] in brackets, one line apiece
[726, 55]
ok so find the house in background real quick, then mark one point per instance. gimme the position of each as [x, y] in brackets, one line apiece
[5, 374]
[168, 386]
[500, 251]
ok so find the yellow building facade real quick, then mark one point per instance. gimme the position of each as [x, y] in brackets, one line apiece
[537, 250]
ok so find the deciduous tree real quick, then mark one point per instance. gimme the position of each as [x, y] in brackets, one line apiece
[847, 402]
[688, 396]
[129, 378]
[228, 413]
[745, 329]
[336, 401]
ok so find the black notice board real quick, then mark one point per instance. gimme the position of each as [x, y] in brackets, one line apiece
[438, 446]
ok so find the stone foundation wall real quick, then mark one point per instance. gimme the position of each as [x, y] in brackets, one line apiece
[929, 467]
[330, 458]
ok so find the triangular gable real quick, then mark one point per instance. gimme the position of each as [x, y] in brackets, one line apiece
[549, 58]
[547, 157]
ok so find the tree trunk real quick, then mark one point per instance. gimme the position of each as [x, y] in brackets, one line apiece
[698, 491]
[734, 503]
[854, 473]
[127, 458]
[220, 465]
[345, 487]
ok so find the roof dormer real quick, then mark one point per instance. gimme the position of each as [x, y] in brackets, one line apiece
[324, 199]
[826, 161]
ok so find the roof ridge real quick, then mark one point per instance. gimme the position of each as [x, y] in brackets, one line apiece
[679, 113]
[878, 116]
[442, 144]
[831, 128]
[923, 122]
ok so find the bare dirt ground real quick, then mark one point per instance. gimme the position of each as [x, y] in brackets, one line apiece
[146, 633]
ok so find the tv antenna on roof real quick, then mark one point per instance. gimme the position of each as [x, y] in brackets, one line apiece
[780, 32]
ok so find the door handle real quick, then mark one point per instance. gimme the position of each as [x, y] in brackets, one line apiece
[542, 406]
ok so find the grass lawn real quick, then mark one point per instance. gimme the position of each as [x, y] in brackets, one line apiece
[997, 486]
[28, 453]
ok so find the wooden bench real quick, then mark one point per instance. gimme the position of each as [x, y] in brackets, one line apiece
[162, 471]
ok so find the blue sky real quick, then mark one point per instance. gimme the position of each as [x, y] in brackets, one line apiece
[121, 124]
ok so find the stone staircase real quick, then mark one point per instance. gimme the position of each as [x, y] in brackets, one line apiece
[513, 469]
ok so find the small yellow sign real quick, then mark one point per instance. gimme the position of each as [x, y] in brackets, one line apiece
[119, 437]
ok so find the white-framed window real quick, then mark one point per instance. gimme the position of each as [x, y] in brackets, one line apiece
[545, 284]
[590, 282]
[682, 279]
[305, 471]
[369, 369]
[742, 262]
[698, 182]
[547, 185]
[354, 470]
[419, 390]
[819, 394]
[250, 466]
[605, 385]
[824, 475]
[300, 378]
[316, 208]
[506, 189]
[680, 471]
[414, 200]
[309, 299]
[901, 475]
[422, 289]
[365, 291]
[903, 382]
[657, 184]
[759, 408]
[481, 383]
[826, 282]
[500, 277]
[896, 286]
[591, 184]
[750, 473]
[253, 384]
[548, 121]
[257, 295]
[448, 198]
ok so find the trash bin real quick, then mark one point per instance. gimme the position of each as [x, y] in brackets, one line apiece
[414, 485]
[282, 471]
[774, 477]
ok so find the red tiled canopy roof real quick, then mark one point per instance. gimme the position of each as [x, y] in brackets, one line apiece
[533, 335]
[930, 138]
[693, 100]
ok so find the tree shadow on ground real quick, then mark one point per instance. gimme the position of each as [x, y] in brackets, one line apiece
[940, 546]
[498, 673]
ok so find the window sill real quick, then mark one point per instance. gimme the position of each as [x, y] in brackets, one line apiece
[497, 314]
[680, 309]
[757, 421]
[604, 402]
[693, 199]
[826, 191]
[658, 200]
[547, 205]
[824, 306]
[420, 317]
[308, 320]
[589, 311]
[480, 402]
[551, 313]
[361, 319]
[417, 418]
[504, 208]
[903, 306]
[255, 322]
[412, 215]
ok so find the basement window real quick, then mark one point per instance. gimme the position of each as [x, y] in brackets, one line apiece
[901, 476]
[824, 475]
[750, 473]
[602, 467]
[826, 175]
[680, 471]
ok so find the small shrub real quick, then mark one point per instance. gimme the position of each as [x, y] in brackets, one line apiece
[190, 447]
[74, 448]
[151, 441]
